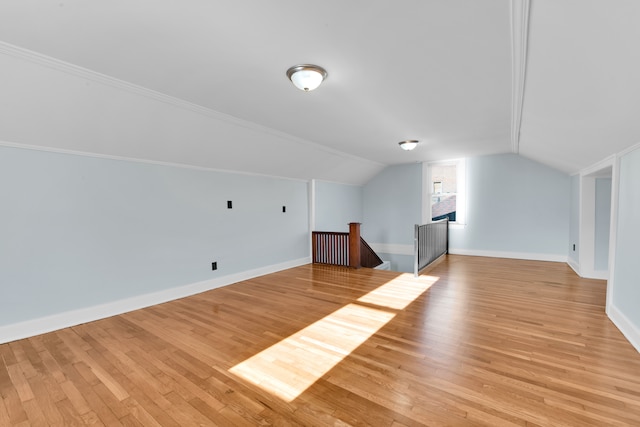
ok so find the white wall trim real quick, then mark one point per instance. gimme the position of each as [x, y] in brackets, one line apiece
[311, 186]
[67, 319]
[137, 160]
[461, 202]
[386, 265]
[519, 44]
[312, 206]
[512, 255]
[586, 225]
[338, 182]
[629, 150]
[596, 167]
[627, 328]
[593, 274]
[392, 248]
[84, 73]
[398, 249]
[599, 274]
[613, 230]
[426, 193]
[586, 220]
[574, 265]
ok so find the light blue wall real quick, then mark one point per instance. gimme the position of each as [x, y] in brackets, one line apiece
[574, 220]
[392, 203]
[515, 205]
[337, 205]
[626, 289]
[80, 231]
[602, 222]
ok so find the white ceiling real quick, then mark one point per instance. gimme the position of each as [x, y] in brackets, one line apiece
[582, 91]
[434, 70]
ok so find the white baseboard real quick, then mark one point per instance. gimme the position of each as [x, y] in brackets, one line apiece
[628, 329]
[513, 255]
[398, 249]
[596, 274]
[386, 265]
[599, 274]
[67, 319]
[574, 266]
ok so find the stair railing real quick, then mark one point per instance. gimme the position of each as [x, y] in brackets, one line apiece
[345, 249]
[431, 241]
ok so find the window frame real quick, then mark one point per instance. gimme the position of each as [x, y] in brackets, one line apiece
[461, 191]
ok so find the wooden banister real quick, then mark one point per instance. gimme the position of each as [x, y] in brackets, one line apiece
[368, 257]
[354, 245]
[347, 249]
[330, 247]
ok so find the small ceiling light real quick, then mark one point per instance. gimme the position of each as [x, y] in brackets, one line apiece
[409, 144]
[306, 77]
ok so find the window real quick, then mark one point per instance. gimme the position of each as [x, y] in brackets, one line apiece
[445, 191]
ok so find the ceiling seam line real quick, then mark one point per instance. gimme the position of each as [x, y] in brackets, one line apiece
[519, 49]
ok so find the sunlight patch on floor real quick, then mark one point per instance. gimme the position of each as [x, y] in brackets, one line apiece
[292, 365]
[289, 367]
[399, 292]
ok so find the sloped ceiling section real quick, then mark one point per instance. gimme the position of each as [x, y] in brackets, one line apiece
[582, 91]
[202, 83]
[410, 69]
[61, 107]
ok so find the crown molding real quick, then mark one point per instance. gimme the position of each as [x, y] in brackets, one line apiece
[519, 44]
[607, 162]
[75, 70]
[629, 150]
[139, 160]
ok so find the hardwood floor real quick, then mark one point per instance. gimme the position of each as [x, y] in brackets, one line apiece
[475, 341]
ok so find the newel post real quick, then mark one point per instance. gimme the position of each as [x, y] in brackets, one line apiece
[354, 245]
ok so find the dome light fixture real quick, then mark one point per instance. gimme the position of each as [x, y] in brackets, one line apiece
[409, 144]
[306, 77]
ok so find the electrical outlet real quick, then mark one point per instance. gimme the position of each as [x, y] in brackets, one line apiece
[284, 209]
[229, 204]
[214, 265]
[574, 247]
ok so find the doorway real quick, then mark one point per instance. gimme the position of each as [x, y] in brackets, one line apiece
[595, 220]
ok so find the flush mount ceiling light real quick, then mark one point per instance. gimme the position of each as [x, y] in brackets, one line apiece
[306, 77]
[409, 144]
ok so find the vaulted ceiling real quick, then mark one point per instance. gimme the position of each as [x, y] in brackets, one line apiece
[556, 81]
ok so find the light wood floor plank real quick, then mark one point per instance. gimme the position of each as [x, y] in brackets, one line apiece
[491, 342]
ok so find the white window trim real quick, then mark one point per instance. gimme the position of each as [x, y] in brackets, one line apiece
[461, 191]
